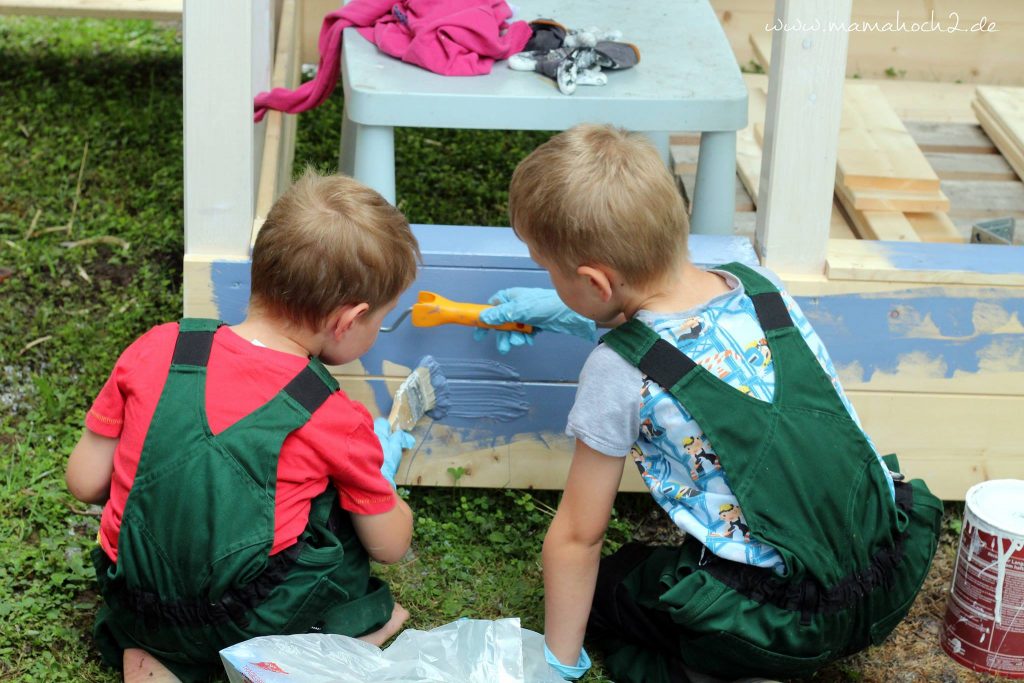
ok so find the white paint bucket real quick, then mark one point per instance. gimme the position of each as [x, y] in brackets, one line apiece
[984, 625]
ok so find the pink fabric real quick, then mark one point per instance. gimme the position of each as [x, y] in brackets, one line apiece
[449, 37]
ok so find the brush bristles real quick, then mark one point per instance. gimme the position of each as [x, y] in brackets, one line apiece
[423, 391]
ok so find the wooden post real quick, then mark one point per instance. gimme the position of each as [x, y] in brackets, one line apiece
[805, 92]
[227, 60]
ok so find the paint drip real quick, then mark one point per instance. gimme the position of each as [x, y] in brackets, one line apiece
[476, 389]
[984, 625]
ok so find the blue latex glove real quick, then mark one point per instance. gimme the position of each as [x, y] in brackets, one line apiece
[535, 306]
[569, 673]
[392, 444]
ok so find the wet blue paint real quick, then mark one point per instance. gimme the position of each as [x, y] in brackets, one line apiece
[991, 259]
[231, 281]
[877, 331]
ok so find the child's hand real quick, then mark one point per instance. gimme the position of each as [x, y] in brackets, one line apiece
[392, 443]
[569, 673]
[535, 306]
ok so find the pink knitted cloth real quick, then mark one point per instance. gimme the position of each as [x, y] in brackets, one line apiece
[449, 37]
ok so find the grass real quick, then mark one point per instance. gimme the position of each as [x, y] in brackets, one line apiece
[91, 156]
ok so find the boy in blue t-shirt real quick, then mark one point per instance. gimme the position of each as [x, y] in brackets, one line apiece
[800, 547]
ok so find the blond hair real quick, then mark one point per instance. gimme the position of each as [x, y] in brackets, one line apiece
[326, 242]
[600, 195]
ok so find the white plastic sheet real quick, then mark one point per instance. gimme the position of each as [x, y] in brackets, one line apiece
[464, 651]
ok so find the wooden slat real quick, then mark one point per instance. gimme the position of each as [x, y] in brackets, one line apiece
[893, 200]
[935, 227]
[970, 166]
[890, 226]
[992, 198]
[875, 149]
[1007, 105]
[956, 138]
[878, 225]
[1003, 135]
[279, 138]
[743, 200]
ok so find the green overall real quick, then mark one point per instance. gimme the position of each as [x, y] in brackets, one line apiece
[194, 572]
[811, 486]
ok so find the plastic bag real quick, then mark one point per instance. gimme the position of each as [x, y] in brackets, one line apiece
[464, 651]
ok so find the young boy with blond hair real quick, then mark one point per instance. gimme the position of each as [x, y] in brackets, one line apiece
[245, 493]
[801, 544]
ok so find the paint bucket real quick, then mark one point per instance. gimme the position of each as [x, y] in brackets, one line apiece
[984, 625]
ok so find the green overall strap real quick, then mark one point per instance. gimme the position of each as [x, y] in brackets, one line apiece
[198, 524]
[806, 479]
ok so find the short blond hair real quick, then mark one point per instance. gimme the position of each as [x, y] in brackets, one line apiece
[600, 195]
[326, 242]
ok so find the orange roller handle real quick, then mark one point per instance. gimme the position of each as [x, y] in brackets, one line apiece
[433, 309]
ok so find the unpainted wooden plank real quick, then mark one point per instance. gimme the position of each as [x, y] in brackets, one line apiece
[955, 138]
[935, 227]
[1002, 138]
[876, 225]
[743, 201]
[1007, 105]
[890, 226]
[684, 158]
[970, 166]
[985, 198]
[875, 149]
[894, 200]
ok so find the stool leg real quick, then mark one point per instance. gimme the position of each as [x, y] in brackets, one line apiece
[714, 194]
[347, 153]
[375, 158]
[660, 141]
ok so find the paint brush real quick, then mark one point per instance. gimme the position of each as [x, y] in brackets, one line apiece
[423, 391]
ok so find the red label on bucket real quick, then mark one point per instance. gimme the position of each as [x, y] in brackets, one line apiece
[989, 575]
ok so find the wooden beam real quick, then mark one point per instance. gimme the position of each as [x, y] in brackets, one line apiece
[279, 140]
[226, 62]
[801, 123]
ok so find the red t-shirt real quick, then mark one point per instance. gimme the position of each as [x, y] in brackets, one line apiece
[337, 444]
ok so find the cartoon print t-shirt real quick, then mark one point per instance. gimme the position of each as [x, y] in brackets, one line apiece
[620, 412]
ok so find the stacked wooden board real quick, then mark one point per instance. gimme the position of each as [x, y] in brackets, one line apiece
[883, 180]
[1000, 111]
[885, 185]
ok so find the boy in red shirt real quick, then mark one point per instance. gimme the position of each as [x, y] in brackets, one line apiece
[245, 493]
